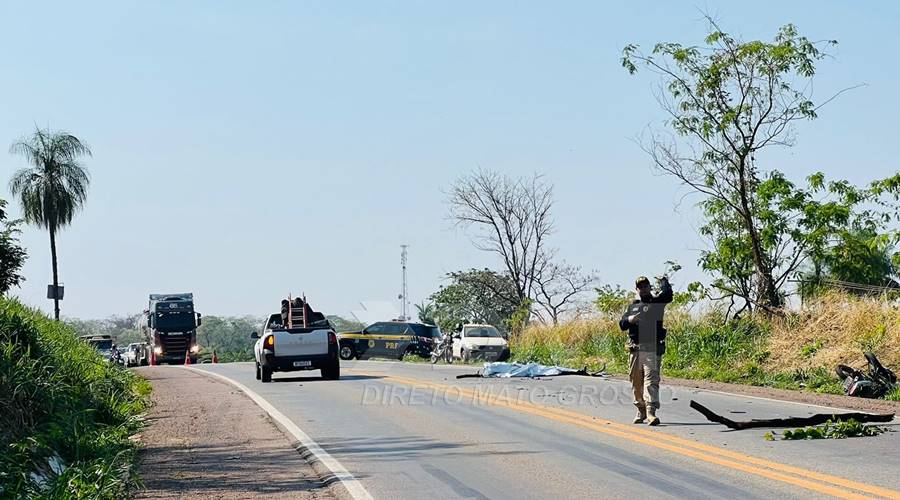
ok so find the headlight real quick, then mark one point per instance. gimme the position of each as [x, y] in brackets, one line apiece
[195, 349]
[157, 350]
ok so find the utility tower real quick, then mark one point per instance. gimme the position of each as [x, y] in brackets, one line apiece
[404, 293]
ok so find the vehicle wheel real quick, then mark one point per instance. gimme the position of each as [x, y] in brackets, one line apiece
[449, 357]
[266, 374]
[434, 358]
[464, 355]
[347, 352]
[332, 371]
[258, 372]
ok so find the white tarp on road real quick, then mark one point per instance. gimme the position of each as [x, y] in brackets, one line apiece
[531, 370]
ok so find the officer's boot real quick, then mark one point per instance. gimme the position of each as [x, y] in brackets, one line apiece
[641, 414]
[652, 419]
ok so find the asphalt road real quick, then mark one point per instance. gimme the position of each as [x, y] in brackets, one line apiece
[414, 431]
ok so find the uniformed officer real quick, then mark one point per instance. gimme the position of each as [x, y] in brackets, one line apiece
[646, 344]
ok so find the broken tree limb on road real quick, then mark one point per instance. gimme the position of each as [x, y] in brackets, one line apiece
[530, 370]
[817, 419]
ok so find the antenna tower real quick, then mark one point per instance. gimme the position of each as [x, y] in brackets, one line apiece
[404, 298]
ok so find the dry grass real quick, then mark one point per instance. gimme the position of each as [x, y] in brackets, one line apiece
[836, 328]
[572, 333]
[798, 351]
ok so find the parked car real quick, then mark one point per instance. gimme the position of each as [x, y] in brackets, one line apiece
[480, 342]
[136, 354]
[389, 339]
[103, 343]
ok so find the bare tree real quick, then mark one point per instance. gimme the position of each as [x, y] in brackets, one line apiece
[558, 289]
[511, 218]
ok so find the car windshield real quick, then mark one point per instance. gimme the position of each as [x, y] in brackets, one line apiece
[426, 330]
[482, 331]
[103, 345]
[387, 329]
[175, 321]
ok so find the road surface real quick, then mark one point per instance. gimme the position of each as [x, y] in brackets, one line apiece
[407, 430]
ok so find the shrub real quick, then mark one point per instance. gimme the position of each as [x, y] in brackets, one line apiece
[68, 413]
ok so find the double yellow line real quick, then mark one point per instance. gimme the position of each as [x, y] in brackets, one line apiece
[796, 476]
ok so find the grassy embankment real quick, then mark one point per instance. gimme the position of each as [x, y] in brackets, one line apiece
[67, 414]
[797, 351]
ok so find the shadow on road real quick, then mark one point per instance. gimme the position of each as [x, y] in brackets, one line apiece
[320, 379]
[413, 448]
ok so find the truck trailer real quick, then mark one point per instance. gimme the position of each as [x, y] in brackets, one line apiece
[170, 327]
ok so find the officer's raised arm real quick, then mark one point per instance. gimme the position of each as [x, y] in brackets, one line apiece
[665, 292]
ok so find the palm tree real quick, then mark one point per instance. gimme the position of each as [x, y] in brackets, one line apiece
[54, 188]
[426, 312]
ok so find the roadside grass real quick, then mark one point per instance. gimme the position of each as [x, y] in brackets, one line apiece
[894, 395]
[798, 351]
[67, 413]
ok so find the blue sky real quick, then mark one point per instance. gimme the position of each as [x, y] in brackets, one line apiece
[213, 123]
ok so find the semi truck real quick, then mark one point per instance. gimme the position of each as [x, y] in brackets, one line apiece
[170, 327]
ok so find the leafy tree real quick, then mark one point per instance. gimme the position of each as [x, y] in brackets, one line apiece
[611, 301]
[54, 188]
[124, 329]
[727, 102]
[341, 324]
[12, 256]
[476, 295]
[229, 336]
[426, 312]
[860, 261]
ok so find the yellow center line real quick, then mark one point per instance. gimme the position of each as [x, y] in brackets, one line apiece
[808, 479]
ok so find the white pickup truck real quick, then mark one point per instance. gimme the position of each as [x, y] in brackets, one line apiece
[283, 349]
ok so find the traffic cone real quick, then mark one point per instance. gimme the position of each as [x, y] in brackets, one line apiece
[187, 357]
[215, 359]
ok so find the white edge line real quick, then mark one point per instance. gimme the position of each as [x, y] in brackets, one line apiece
[353, 486]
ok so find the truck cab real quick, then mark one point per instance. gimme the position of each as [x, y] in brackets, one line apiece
[306, 342]
[170, 326]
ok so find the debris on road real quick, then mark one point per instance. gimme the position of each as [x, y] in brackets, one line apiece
[817, 419]
[831, 430]
[529, 370]
[878, 382]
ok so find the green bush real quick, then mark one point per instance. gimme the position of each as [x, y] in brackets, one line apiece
[67, 413]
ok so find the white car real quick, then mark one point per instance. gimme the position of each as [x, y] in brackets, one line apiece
[480, 341]
[135, 354]
[282, 349]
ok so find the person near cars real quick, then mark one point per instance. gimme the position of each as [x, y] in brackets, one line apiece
[643, 319]
[285, 312]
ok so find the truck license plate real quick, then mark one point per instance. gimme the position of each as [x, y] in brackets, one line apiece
[302, 363]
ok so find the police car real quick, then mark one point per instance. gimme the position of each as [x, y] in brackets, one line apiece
[389, 339]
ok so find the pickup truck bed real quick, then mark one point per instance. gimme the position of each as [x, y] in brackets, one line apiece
[280, 349]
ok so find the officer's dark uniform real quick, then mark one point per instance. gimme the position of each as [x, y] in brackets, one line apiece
[646, 345]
